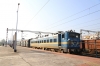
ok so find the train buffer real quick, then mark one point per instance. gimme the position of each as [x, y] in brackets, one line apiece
[34, 57]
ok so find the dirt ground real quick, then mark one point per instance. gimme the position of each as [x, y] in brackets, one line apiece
[33, 57]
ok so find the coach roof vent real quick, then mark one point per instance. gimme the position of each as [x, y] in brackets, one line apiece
[60, 31]
[54, 33]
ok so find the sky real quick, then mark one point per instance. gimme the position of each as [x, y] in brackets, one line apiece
[48, 16]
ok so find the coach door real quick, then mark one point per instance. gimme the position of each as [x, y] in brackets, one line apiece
[29, 42]
[25, 43]
[63, 40]
[59, 39]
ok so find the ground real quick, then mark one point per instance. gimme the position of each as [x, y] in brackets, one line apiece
[33, 57]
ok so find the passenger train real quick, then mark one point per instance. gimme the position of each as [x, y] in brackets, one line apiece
[67, 41]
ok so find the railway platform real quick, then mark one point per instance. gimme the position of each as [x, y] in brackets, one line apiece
[34, 57]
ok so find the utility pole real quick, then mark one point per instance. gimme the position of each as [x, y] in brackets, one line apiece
[6, 36]
[22, 38]
[15, 44]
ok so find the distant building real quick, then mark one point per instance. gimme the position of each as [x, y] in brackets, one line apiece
[92, 36]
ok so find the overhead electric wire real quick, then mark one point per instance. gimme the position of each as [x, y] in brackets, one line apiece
[88, 25]
[91, 25]
[75, 14]
[95, 29]
[85, 22]
[38, 12]
[75, 19]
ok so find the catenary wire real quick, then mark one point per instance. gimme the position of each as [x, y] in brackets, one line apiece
[75, 19]
[73, 14]
[90, 25]
[86, 22]
[95, 29]
[38, 12]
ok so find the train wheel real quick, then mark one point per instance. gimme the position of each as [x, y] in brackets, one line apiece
[70, 51]
[43, 48]
[52, 50]
[62, 51]
[76, 51]
[59, 51]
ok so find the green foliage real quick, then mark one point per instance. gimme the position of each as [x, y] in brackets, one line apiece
[2, 41]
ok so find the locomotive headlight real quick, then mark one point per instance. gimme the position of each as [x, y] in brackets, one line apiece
[68, 39]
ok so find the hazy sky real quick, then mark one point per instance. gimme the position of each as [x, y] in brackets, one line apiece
[56, 15]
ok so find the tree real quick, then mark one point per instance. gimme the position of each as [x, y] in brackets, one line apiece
[2, 41]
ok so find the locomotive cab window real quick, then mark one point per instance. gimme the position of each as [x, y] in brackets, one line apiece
[74, 35]
[77, 36]
[63, 35]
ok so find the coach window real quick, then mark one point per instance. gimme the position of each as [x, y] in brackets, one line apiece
[50, 40]
[55, 40]
[63, 35]
[44, 41]
[47, 41]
